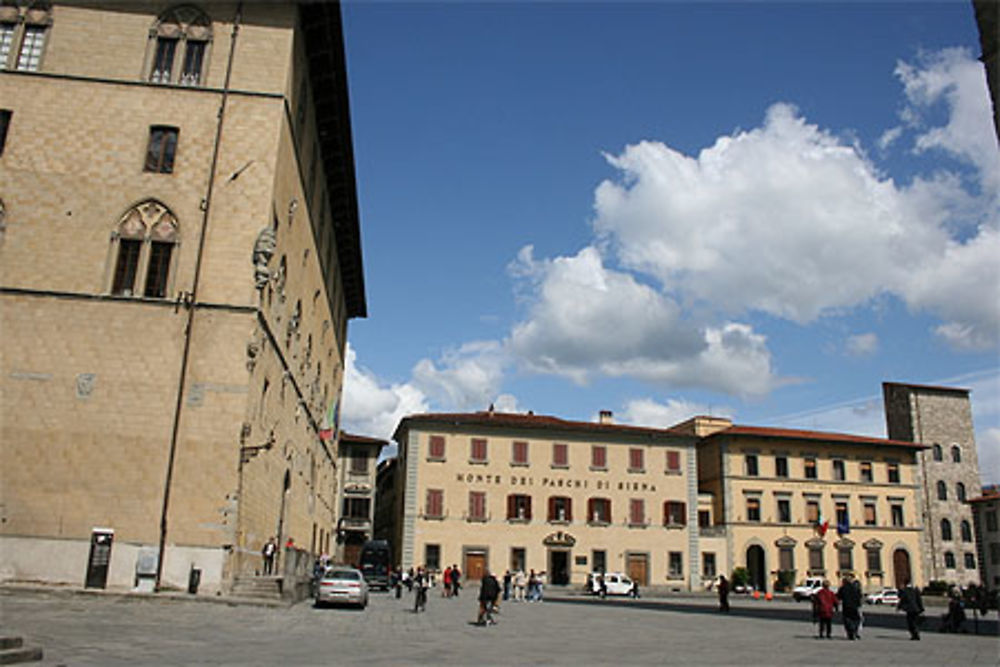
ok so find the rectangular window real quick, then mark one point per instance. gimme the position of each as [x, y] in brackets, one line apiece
[599, 457]
[784, 510]
[781, 466]
[357, 508]
[359, 462]
[163, 60]
[708, 565]
[518, 558]
[839, 471]
[866, 472]
[870, 518]
[161, 149]
[897, 515]
[5, 116]
[845, 559]
[519, 453]
[432, 556]
[159, 269]
[435, 503]
[812, 511]
[750, 465]
[636, 462]
[560, 455]
[435, 449]
[816, 559]
[673, 461]
[970, 561]
[786, 558]
[810, 468]
[477, 506]
[637, 512]
[6, 42]
[673, 513]
[126, 267]
[893, 469]
[194, 57]
[477, 452]
[518, 507]
[874, 560]
[31, 48]
[600, 559]
[599, 510]
[704, 518]
[991, 521]
[676, 565]
[753, 509]
[560, 509]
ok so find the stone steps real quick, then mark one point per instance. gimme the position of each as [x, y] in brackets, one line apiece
[13, 651]
[257, 587]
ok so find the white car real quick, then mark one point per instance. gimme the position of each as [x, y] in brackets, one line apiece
[807, 589]
[615, 582]
[884, 596]
[344, 585]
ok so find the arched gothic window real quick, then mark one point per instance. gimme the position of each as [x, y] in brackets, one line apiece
[960, 492]
[956, 454]
[937, 453]
[942, 491]
[945, 530]
[179, 44]
[143, 251]
[966, 530]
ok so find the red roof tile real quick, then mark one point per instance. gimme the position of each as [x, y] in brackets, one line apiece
[796, 434]
[529, 420]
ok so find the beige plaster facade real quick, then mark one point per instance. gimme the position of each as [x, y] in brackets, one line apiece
[186, 396]
[503, 491]
[358, 457]
[771, 487]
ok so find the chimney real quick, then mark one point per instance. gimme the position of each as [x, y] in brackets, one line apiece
[607, 417]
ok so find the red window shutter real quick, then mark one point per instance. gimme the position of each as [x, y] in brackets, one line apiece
[478, 449]
[520, 452]
[635, 459]
[527, 508]
[435, 504]
[673, 460]
[569, 509]
[666, 512]
[590, 509]
[635, 511]
[682, 514]
[559, 454]
[598, 458]
[607, 510]
[511, 506]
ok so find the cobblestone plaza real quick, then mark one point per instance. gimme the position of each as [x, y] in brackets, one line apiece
[113, 630]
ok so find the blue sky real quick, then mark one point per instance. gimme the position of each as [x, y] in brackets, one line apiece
[755, 210]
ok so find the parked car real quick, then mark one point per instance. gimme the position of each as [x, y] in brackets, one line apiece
[884, 596]
[344, 585]
[807, 589]
[616, 583]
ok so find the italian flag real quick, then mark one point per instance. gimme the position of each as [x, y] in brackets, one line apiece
[822, 525]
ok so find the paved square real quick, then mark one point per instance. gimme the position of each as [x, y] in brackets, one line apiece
[114, 630]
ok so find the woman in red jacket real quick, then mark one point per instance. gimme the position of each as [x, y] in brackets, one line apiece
[824, 604]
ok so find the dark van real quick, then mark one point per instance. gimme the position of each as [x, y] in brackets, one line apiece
[376, 560]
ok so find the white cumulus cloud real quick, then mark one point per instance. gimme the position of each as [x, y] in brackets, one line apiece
[862, 345]
[467, 378]
[652, 413]
[372, 407]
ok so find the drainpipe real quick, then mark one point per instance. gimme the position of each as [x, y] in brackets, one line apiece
[190, 299]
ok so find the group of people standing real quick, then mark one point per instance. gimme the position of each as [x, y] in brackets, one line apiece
[522, 587]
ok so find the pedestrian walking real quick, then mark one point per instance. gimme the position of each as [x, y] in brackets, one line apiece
[270, 548]
[532, 586]
[850, 604]
[456, 580]
[506, 585]
[420, 583]
[602, 586]
[489, 591]
[723, 589]
[520, 581]
[446, 583]
[911, 603]
[825, 604]
[634, 590]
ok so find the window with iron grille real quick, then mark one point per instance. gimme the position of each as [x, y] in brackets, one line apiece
[6, 42]
[31, 48]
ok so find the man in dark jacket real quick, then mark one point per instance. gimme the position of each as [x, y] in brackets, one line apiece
[850, 603]
[723, 593]
[911, 603]
[489, 591]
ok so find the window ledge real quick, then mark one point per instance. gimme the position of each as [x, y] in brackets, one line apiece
[672, 472]
[675, 577]
[560, 466]
[436, 517]
[598, 468]
[478, 462]
[636, 471]
[435, 459]
[598, 523]
[518, 520]
[675, 526]
[638, 525]
[559, 522]
[518, 464]
[476, 519]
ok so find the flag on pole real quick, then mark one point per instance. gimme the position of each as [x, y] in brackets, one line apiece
[843, 526]
[822, 525]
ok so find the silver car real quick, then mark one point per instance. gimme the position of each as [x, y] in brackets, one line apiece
[342, 585]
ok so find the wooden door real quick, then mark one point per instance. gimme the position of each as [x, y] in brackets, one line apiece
[638, 568]
[901, 567]
[475, 564]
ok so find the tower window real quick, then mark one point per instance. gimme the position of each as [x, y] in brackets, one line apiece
[143, 251]
[31, 48]
[161, 149]
[185, 33]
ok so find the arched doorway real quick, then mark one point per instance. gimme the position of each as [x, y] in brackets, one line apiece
[900, 567]
[755, 566]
